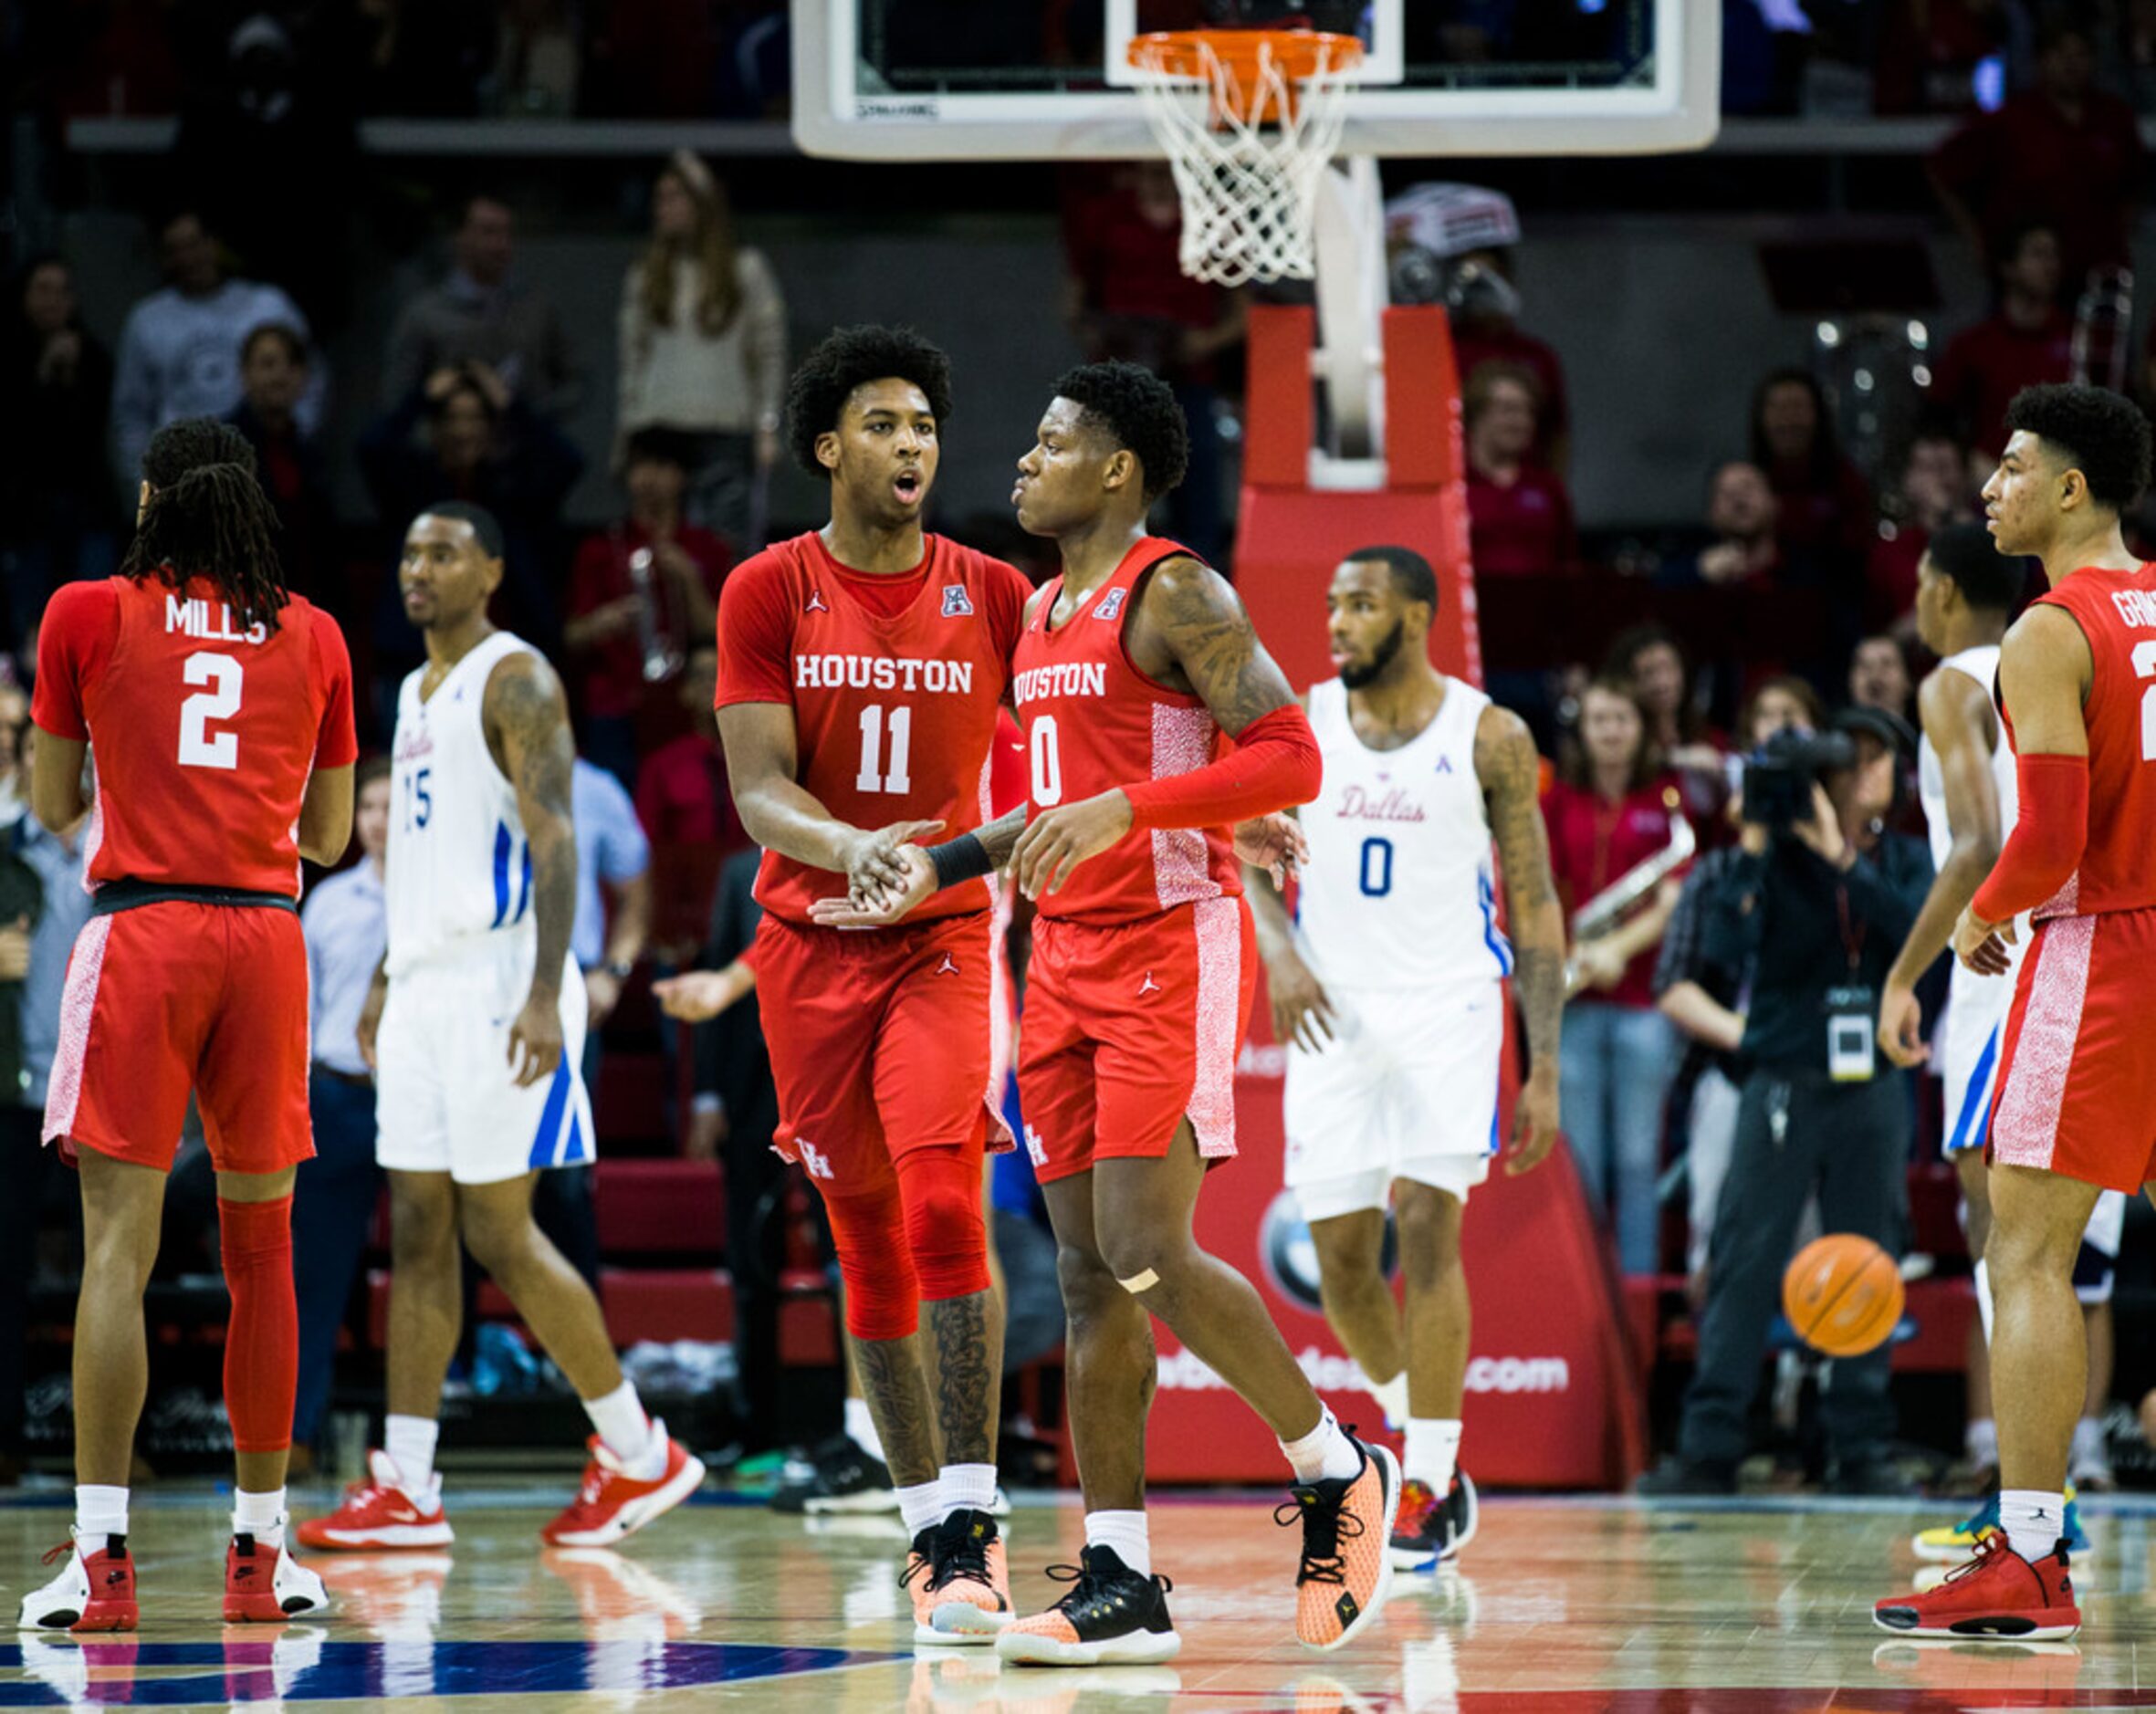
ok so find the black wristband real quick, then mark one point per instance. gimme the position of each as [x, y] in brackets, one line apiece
[960, 859]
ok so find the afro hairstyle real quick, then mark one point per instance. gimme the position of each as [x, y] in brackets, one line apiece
[848, 358]
[2099, 433]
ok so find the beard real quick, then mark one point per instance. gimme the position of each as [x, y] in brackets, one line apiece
[1356, 677]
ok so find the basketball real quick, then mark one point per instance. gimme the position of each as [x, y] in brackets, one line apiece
[1842, 1294]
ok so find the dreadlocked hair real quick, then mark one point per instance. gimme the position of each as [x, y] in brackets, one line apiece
[208, 517]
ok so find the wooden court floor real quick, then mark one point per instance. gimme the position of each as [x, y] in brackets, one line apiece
[1560, 1605]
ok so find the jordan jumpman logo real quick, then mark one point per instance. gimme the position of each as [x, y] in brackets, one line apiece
[949, 967]
[1148, 985]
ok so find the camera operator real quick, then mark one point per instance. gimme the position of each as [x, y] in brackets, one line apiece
[1816, 908]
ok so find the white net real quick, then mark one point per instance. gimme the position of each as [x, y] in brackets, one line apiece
[1249, 139]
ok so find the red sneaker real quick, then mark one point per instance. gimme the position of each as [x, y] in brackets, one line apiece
[265, 1585]
[380, 1513]
[96, 1592]
[612, 1504]
[1996, 1594]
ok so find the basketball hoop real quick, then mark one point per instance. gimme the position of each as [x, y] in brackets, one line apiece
[1249, 119]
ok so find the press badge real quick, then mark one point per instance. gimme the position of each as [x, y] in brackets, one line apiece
[1851, 1039]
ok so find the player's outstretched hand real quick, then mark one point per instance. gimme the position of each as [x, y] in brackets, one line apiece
[1535, 1122]
[535, 1041]
[880, 908]
[1275, 845]
[1302, 1010]
[1981, 945]
[1901, 1025]
[1057, 840]
[874, 869]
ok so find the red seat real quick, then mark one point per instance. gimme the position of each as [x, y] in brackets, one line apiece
[660, 1206]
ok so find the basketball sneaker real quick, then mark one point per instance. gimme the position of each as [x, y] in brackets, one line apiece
[94, 1592]
[1996, 1594]
[380, 1513]
[918, 1581]
[1955, 1542]
[844, 1479]
[1432, 1529]
[1346, 1569]
[268, 1587]
[612, 1504]
[970, 1584]
[1113, 1616]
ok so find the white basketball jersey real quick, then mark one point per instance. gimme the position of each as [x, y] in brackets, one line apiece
[1981, 663]
[458, 866]
[1400, 889]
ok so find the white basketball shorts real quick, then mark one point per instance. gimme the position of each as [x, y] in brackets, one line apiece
[1407, 1090]
[446, 1099]
[1971, 1037]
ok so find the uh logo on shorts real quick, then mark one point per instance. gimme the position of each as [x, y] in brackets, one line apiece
[813, 1159]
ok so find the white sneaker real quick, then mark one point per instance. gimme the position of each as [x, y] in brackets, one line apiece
[289, 1591]
[96, 1594]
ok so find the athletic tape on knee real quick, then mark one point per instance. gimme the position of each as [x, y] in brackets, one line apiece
[883, 1297]
[940, 1189]
[1140, 1282]
[261, 1338]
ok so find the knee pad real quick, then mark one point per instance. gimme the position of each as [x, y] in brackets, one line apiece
[883, 1297]
[262, 1340]
[942, 1193]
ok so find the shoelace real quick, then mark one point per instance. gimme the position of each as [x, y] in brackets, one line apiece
[53, 1553]
[917, 1564]
[1087, 1584]
[1325, 1524]
[968, 1559]
[1986, 1546]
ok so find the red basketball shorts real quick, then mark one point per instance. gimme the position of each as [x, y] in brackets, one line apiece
[1131, 1026]
[2077, 1088]
[172, 997]
[879, 1043]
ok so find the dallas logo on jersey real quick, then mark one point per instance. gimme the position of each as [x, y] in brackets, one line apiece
[956, 602]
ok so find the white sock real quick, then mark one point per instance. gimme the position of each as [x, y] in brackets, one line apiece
[921, 1506]
[1126, 1533]
[1980, 1442]
[2089, 1440]
[1983, 1301]
[261, 1516]
[1324, 1454]
[860, 1430]
[967, 1487]
[627, 1432]
[1433, 1452]
[1392, 1398]
[98, 1512]
[2033, 1519]
[409, 1443]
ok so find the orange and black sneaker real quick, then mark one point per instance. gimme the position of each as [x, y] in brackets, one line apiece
[918, 1581]
[1346, 1569]
[1112, 1616]
[1997, 1593]
[970, 1580]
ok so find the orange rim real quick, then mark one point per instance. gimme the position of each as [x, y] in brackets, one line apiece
[1190, 55]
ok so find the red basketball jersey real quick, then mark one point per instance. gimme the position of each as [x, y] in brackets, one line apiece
[894, 684]
[1093, 722]
[2116, 614]
[203, 732]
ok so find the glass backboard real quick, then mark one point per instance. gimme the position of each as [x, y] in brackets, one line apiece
[1041, 80]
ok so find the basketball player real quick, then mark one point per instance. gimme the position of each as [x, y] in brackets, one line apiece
[220, 710]
[1133, 665]
[1965, 589]
[2076, 1113]
[1388, 994]
[476, 1030]
[861, 671]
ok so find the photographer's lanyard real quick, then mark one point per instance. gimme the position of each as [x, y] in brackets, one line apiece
[1850, 1008]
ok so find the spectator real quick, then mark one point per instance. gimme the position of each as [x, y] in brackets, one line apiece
[1878, 677]
[703, 349]
[1651, 660]
[539, 61]
[1486, 330]
[481, 314]
[179, 350]
[1706, 1000]
[642, 595]
[1936, 490]
[1128, 297]
[682, 795]
[1610, 810]
[295, 475]
[2026, 341]
[1743, 547]
[57, 515]
[2064, 153]
[1825, 504]
[345, 920]
[1519, 518]
[480, 444]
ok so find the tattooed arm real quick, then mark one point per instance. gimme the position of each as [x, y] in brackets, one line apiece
[527, 724]
[1509, 770]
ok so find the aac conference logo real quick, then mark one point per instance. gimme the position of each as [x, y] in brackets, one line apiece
[1291, 1258]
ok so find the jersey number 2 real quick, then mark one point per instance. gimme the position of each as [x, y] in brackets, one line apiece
[2144, 667]
[200, 747]
[873, 775]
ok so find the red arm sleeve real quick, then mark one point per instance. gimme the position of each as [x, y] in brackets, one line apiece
[2049, 835]
[755, 636]
[1274, 765]
[74, 640]
[336, 744]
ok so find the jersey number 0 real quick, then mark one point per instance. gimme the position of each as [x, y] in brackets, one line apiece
[199, 747]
